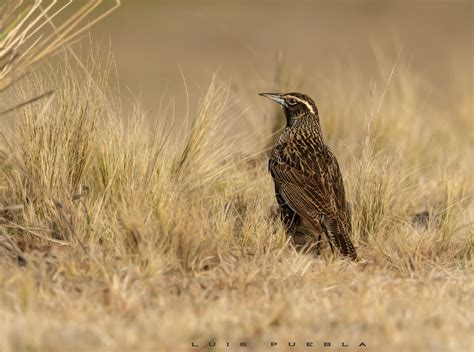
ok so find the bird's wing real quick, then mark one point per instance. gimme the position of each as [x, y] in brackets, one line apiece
[303, 184]
[337, 184]
[312, 186]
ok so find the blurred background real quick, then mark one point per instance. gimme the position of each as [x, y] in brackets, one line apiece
[318, 42]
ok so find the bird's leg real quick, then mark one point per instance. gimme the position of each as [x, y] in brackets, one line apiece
[326, 232]
[318, 245]
[332, 247]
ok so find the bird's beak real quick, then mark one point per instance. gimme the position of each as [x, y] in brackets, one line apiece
[274, 96]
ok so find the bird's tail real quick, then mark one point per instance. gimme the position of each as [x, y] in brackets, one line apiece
[339, 236]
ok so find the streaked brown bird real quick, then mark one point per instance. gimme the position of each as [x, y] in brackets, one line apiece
[308, 182]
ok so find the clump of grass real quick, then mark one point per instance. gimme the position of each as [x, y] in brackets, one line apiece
[85, 177]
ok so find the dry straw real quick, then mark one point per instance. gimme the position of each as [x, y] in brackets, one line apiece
[31, 31]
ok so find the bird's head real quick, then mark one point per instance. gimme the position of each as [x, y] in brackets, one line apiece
[295, 105]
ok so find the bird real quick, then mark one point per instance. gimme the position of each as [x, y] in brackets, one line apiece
[309, 187]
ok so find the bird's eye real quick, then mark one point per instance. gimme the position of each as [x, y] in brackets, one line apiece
[292, 102]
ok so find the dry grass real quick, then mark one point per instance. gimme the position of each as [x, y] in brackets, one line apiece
[32, 30]
[122, 237]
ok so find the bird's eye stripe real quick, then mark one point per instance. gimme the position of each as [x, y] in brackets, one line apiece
[308, 105]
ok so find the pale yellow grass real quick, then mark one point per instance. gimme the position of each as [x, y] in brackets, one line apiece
[123, 237]
[30, 31]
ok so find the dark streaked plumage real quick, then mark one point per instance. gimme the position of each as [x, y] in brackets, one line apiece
[308, 183]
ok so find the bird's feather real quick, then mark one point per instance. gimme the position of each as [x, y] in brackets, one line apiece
[311, 185]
